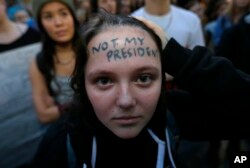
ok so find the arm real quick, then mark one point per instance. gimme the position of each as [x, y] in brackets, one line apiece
[45, 105]
[199, 71]
[214, 102]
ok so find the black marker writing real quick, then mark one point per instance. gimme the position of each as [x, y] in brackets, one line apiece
[115, 44]
[124, 53]
[102, 46]
[134, 41]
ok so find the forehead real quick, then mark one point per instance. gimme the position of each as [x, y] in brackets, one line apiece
[52, 6]
[120, 37]
[123, 44]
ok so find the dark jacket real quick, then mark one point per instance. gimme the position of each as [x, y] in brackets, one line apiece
[217, 108]
[212, 101]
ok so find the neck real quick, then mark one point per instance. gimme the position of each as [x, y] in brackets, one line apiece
[157, 7]
[6, 25]
[10, 31]
[63, 47]
[64, 54]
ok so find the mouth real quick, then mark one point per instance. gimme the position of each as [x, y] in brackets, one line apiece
[61, 33]
[127, 120]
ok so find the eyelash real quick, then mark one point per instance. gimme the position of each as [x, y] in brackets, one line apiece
[141, 79]
[63, 14]
[100, 80]
[105, 82]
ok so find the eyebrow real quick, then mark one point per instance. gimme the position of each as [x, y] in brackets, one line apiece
[110, 72]
[62, 9]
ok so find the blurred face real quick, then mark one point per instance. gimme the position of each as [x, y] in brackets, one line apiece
[222, 7]
[125, 7]
[199, 9]
[241, 3]
[86, 5]
[21, 16]
[58, 22]
[123, 79]
[108, 5]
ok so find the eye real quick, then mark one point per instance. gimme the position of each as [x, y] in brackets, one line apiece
[64, 13]
[103, 82]
[144, 79]
[47, 17]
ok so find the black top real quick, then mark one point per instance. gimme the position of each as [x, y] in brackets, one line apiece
[211, 102]
[29, 37]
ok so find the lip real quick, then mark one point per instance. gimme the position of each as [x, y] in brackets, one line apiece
[127, 120]
[61, 33]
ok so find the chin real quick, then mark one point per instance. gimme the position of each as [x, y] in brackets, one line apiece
[127, 134]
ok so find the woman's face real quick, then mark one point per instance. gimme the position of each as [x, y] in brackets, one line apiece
[241, 3]
[58, 22]
[108, 5]
[123, 79]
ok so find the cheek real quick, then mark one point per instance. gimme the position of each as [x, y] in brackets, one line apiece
[100, 101]
[48, 28]
[72, 28]
[151, 96]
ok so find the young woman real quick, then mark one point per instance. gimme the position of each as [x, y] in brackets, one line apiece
[120, 86]
[50, 71]
[118, 118]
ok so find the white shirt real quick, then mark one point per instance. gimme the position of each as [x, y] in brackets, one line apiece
[183, 25]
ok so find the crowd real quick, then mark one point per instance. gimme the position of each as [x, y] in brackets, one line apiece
[55, 76]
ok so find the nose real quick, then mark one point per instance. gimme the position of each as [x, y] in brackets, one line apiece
[58, 20]
[125, 98]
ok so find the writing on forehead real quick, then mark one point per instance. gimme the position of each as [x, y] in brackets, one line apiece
[103, 46]
[126, 48]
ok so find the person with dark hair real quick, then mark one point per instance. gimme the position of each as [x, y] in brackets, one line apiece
[118, 118]
[50, 71]
[114, 81]
[20, 130]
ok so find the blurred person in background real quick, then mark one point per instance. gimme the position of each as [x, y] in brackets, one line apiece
[125, 7]
[183, 25]
[14, 34]
[83, 11]
[86, 5]
[21, 131]
[50, 71]
[108, 5]
[22, 16]
[198, 7]
[236, 9]
[215, 9]
[235, 44]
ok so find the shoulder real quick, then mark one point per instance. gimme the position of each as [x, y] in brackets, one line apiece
[138, 12]
[28, 35]
[184, 14]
